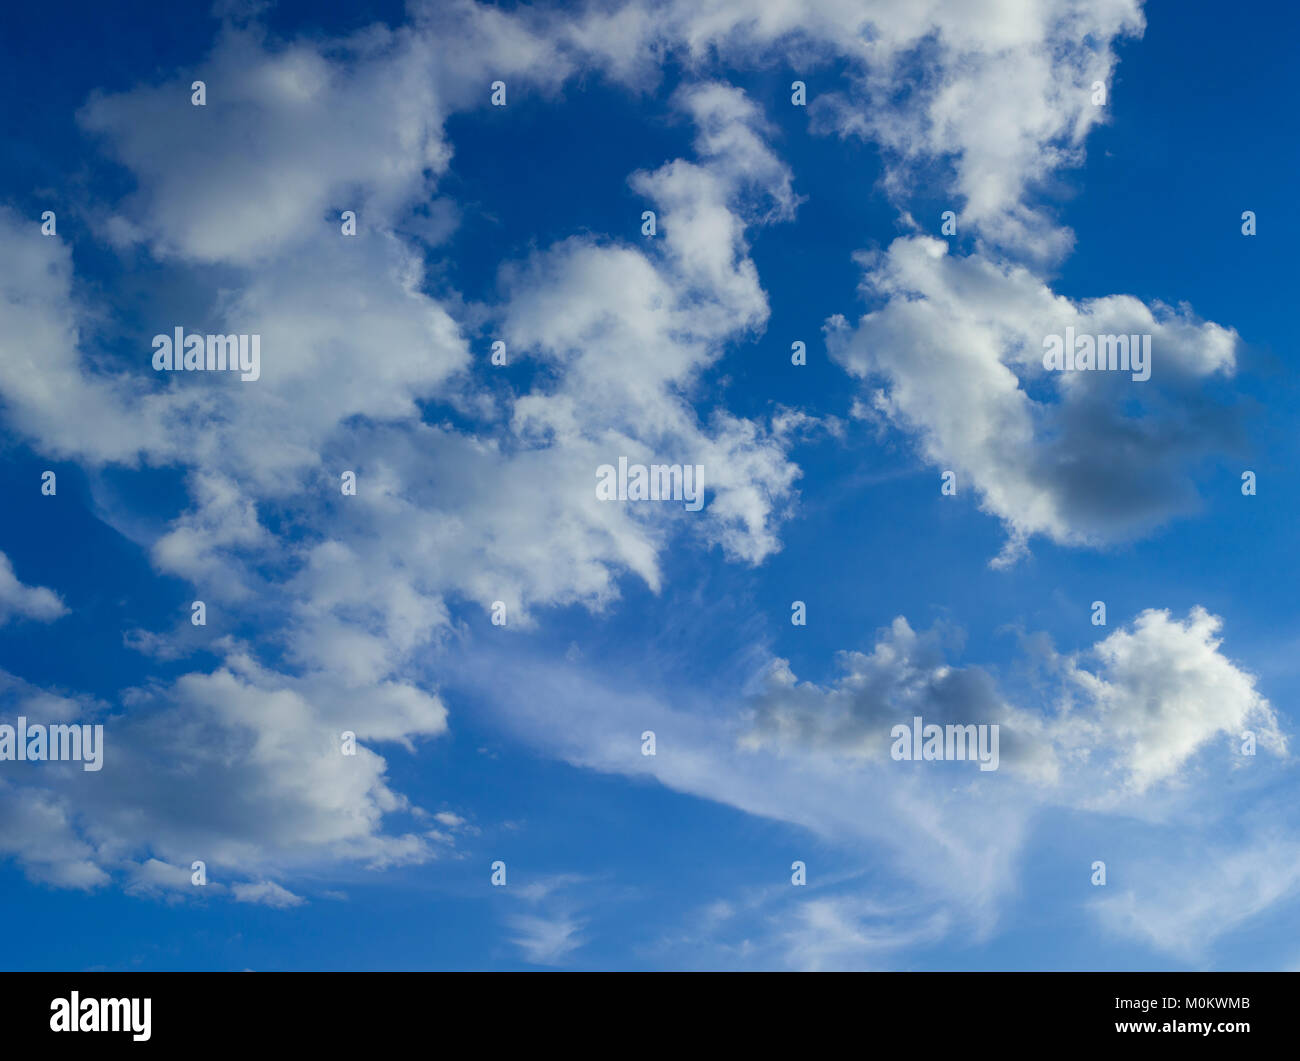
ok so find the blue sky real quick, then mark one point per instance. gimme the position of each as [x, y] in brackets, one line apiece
[522, 743]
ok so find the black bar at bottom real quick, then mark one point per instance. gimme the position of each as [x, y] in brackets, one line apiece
[614, 1011]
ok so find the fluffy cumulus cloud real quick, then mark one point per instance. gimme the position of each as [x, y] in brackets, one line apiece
[20, 601]
[240, 768]
[955, 357]
[1133, 711]
[73, 405]
[1163, 691]
[285, 135]
[266, 893]
[36, 828]
[905, 675]
[1006, 101]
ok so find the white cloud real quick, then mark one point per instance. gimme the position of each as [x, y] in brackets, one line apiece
[289, 134]
[552, 930]
[905, 675]
[1183, 905]
[1084, 458]
[153, 877]
[36, 827]
[832, 923]
[855, 932]
[54, 394]
[990, 99]
[545, 940]
[1163, 692]
[18, 600]
[242, 768]
[266, 893]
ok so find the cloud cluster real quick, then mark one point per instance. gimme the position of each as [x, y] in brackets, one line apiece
[1132, 712]
[472, 492]
[352, 594]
